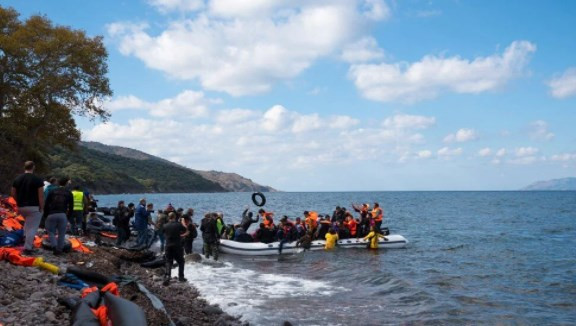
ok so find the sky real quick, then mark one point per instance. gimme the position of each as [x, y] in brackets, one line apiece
[340, 95]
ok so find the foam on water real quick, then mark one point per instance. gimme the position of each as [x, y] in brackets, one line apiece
[245, 292]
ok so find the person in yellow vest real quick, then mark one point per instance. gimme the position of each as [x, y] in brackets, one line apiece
[373, 238]
[80, 204]
[331, 239]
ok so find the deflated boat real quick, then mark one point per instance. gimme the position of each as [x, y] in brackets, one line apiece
[394, 241]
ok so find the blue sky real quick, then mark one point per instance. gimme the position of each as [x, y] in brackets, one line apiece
[333, 95]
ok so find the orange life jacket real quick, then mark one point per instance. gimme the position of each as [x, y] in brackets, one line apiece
[351, 225]
[267, 219]
[78, 246]
[377, 214]
[312, 220]
[15, 257]
[10, 224]
[37, 241]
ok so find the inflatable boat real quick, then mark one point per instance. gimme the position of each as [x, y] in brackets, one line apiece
[395, 241]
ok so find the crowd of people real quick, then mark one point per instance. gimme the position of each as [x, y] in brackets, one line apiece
[61, 207]
[341, 224]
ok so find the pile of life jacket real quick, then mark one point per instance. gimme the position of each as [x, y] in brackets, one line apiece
[12, 233]
[11, 223]
[103, 307]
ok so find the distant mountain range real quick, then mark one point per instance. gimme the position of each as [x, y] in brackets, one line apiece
[556, 184]
[108, 169]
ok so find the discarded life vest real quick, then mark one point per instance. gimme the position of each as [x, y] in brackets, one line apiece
[105, 306]
[15, 257]
[78, 246]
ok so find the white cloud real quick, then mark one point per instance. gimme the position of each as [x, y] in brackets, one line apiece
[405, 121]
[525, 160]
[539, 130]
[564, 157]
[447, 152]
[565, 85]
[485, 152]
[177, 5]
[244, 8]
[501, 152]
[461, 136]
[234, 116]
[342, 122]
[526, 151]
[376, 10]
[364, 50]
[245, 46]
[276, 138]
[434, 75]
[190, 104]
[424, 154]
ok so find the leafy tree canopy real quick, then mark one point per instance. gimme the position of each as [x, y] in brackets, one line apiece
[48, 74]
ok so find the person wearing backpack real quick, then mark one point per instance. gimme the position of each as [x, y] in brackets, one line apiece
[192, 233]
[59, 205]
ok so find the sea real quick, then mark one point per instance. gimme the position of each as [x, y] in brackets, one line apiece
[473, 258]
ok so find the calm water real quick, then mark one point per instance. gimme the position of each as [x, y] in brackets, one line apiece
[473, 258]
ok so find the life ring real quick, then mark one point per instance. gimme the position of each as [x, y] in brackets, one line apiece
[262, 199]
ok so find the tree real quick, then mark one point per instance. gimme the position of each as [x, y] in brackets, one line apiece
[48, 74]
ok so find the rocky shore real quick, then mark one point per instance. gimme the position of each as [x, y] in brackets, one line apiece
[30, 296]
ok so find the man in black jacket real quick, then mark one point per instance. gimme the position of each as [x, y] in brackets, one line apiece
[122, 222]
[28, 190]
[59, 206]
[210, 235]
[174, 232]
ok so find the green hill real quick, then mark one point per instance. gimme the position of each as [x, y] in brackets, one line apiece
[228, 181]
[107, 173]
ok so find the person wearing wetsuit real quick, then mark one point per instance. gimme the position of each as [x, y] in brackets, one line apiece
[59, 205]
[247, 220]
[174, 232]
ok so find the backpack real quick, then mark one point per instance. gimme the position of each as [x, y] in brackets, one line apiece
[194, 233]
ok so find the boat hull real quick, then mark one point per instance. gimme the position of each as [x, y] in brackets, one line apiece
[395, 241]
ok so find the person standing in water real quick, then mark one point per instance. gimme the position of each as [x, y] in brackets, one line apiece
[331, 239]
[373, 237]
[174, 232]
[188, 241]
[210, 235]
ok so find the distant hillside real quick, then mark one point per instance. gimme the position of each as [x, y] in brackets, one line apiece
[556, 184]
[107, 173]
[229, 181]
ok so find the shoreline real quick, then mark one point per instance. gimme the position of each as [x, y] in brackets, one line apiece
[31, 296]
